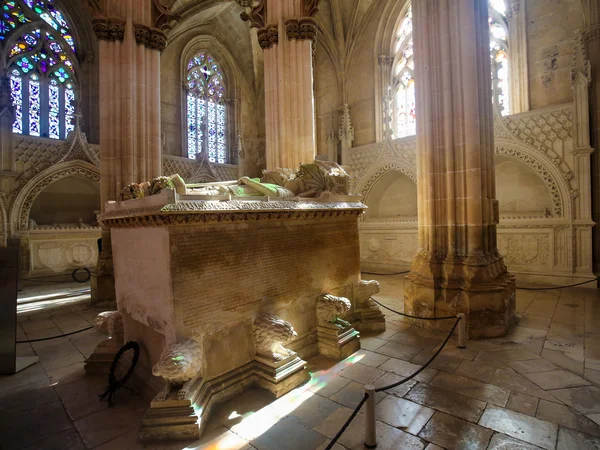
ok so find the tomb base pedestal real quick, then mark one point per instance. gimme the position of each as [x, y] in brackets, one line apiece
[280, 377]
[368, 317]
[337, 343]
[99, 362]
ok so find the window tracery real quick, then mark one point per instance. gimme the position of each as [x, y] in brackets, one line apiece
[206, 109]
[41, 64]
[403, 82]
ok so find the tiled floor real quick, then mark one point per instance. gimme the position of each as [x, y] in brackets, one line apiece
[536, 388]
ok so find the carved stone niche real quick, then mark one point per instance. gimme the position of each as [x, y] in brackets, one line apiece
[337, 339]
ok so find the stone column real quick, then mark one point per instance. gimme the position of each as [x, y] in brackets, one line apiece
[286, 33]
[457, 268]
[7, 151]
[517, 44]
[591, 36]
[130, 143]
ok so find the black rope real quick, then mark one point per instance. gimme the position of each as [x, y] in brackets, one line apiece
[55, 337]
[556, 287]
[413, 317]
[113, 383]
[385, 388]
[350, 419]
[381, 274]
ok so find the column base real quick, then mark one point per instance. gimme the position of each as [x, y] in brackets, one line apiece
[280, 377]
[368, 317]
[489, 306]
[337, 343]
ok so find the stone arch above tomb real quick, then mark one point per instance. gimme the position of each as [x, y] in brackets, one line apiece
[24, 200]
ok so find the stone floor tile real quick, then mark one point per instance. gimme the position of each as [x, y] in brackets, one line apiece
[384, 335]
[535, 345]
[324, 445]
[454, 433]
[66, 374]
[290, 431]
[523, 403]
[354, 436]
[449, 402]
[371, 343]
[532, 366]
[574, 440]
[80, 397]
[571, 362]
[352, 394]
[523, 335]
[500, 358]
[397, 350]
[543, 307]
[106, 425]
[593, 364]
[406, 369]
[60, 362]
[594, 417]
[585, 400]
[567, 417]
[31, 374]
[313, 410]
[517, 382]
[66, 440]
[563, 346]
[503, 442]
[556, 379]
[393, 439]
[361, 373]
[369, 358]
[472, 388]
[476, 371]
[33, 425]
[24, 398]
[390, 378]
[326, 384]
[520, 426]
[37, 325]
[537, 322]
[403, 414]
[43, 334]
[441, 362]
[413, 340]
[497, 345]
[433, 447]
[592, 375]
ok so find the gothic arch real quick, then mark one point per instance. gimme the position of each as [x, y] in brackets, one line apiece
[373, 175]
[554, 180]
[24, 200]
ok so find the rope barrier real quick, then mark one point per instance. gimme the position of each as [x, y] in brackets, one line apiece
[350, 419]
[55, 337]
[413, 317]
[382, 274]
[557, 287]
[391, 386]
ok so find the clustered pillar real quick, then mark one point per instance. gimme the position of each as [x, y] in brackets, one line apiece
[458, 268]
[286, 33]
[130, 144]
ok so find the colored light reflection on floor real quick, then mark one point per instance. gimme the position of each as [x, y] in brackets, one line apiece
[252, 424]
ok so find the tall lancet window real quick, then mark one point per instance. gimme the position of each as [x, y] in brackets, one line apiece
[499, 55]
[39, 53]
[404, 112]
[206, 110]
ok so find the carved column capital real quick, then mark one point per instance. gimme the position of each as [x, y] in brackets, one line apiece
[385, 60]
[109, 28]
[592, 33]
[151, 38]
[268, 36]
[513, 9]
[304, 28]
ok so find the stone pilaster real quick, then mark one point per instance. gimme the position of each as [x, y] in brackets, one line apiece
[7, 152]
[458, 268]
[286, 33]
[130, 143]
[517, 44]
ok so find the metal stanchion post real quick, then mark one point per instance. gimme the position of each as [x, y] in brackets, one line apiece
[462, 330]
[370, 427]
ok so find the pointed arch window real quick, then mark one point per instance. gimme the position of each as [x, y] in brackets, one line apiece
[403, 82]
[41, 62]
[499, 55]
[206, 109]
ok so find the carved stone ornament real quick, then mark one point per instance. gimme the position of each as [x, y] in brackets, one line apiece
[268, 36]
[110, 323]
[256, 15]
[109, 28]
[151, 38]
[308, 29]
[592, 33]
[180, 365]
[311, 7]
[331, 309]
[292, 29]
[385, 60]
[270, 333]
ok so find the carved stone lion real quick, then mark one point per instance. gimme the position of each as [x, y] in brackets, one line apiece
[270, 333]
[330, 308]
[365, 290]
[110, 323]
[180, 365]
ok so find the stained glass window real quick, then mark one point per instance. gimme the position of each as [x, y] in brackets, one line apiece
[499, 55]
[42, 63]
[206, 110]
[404, 111]
[403, 107]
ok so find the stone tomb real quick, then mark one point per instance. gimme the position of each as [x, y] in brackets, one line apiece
[200, 272]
